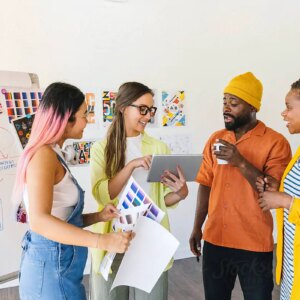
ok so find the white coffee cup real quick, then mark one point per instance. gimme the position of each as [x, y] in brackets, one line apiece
[217, 148]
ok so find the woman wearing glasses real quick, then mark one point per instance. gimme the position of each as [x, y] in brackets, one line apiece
[126, 152]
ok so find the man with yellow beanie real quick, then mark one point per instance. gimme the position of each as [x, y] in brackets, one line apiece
[238, 235]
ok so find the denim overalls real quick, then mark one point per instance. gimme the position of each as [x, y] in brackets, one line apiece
[50, 270]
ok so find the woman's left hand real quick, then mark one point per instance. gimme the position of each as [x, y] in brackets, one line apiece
[176, 184]
[269, 200]
[108, 213]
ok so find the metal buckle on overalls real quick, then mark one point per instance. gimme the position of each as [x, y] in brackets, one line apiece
[25, 241]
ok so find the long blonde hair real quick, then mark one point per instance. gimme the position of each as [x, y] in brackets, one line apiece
[115, 149]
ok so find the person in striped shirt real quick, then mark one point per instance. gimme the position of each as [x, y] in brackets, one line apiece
[287, 204]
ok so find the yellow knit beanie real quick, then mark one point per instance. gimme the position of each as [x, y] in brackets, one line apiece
[247, 87]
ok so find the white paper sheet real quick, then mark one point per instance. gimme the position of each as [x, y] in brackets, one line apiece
[106, 264]
[123, 223]
[147, 257]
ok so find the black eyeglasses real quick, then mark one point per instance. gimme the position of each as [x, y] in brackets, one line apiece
[144, 109]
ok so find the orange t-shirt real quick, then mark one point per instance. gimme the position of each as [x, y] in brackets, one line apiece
[235, 219]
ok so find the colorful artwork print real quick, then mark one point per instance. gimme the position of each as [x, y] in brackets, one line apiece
[173, 108]
[23, 128]
[90, 102]
[21, 103]
[133, 196]
[109, 104]
[21, 216]
[153, 123]
[83, 151]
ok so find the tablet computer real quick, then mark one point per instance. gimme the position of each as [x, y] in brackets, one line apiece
[189, 163]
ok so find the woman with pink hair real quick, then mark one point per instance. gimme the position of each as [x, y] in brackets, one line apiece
[55, 246]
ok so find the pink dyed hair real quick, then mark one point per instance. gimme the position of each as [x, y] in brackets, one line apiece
[48, 128]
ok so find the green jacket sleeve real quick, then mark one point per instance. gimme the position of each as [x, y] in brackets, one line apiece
[99, 179]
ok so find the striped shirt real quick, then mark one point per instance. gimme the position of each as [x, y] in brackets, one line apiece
[291, 187]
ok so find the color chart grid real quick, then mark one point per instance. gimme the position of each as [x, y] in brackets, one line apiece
[20, 104]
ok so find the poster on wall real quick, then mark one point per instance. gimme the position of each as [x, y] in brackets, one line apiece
[20, 102]
[23, 128]
[153, 123]
[90, 102]
[173, 108]
[83, 149]
[108, 104]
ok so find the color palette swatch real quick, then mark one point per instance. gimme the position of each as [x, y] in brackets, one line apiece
[133, 196]
[20, 103]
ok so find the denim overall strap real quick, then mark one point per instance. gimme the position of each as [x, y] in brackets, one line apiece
[76, 216]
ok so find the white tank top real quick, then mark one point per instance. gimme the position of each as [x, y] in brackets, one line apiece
[65, 195]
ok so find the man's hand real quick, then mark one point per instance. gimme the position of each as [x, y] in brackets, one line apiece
[195, 241]
[266, 183]
[229, 152]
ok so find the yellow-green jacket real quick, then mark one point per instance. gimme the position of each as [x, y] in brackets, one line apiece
[294, 217]
[100, 192]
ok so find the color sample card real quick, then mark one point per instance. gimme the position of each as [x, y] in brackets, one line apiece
[20, 103]
[90, 102]
[173, 108]
[23, 128]
[109, 104]
[83, 150]
[106, 264]
[128, 218]
[134, 196]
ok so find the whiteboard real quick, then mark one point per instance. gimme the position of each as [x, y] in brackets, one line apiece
[11, 107]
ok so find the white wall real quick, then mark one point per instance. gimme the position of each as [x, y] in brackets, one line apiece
[193, 45]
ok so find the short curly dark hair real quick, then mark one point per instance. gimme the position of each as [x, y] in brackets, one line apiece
[296, 85]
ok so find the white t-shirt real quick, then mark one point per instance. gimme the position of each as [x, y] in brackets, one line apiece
[65, 195]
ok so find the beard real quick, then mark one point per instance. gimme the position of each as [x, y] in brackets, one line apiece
[237, 122]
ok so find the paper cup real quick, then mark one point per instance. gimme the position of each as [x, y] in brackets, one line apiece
[220, 161]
